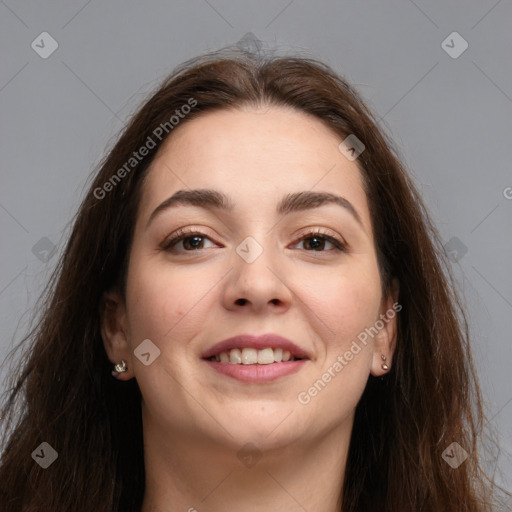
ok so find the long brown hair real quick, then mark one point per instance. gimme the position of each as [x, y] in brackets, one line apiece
[62, 391]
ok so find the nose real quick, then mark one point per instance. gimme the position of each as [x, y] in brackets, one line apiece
[257, 282]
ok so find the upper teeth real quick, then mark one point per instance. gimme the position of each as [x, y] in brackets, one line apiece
[250, 355]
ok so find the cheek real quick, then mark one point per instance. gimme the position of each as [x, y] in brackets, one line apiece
[346, 304]
[347, 301]
[163, 301]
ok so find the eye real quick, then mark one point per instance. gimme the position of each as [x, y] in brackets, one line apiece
[192, 240]
[318, 239]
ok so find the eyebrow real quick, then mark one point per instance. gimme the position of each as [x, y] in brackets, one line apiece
[210, 199]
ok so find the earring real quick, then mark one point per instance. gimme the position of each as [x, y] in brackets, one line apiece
[384, 365]
[119, 368]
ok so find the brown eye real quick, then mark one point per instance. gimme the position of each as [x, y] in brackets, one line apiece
[316, 241]
[192, 240]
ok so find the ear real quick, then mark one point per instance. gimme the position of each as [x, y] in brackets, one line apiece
[385, 340]
[114, 331]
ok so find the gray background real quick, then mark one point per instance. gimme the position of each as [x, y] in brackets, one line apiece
[450, 117]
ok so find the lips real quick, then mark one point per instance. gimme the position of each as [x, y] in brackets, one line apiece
[257, 342]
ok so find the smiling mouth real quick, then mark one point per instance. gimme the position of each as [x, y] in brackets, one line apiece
[252, 356]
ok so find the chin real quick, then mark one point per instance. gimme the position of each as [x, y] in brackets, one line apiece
[272, 429]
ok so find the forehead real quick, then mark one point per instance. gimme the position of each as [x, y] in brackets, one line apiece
[255, 155]
[288, 135]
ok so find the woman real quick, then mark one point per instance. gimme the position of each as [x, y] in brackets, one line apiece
[253, 312]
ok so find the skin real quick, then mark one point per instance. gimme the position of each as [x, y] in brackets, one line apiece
[195, 420]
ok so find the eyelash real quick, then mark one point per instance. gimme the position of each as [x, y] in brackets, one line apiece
[183, 234]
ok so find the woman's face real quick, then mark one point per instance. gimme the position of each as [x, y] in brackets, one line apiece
[188, 296]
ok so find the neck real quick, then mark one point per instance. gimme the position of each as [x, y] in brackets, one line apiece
[186, 473]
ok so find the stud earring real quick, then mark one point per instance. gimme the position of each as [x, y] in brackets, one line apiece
[384, 365]
[119, 368]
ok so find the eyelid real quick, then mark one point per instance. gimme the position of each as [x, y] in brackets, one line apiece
[320, 231]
